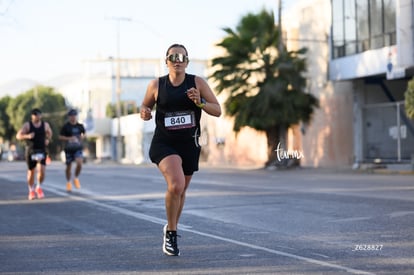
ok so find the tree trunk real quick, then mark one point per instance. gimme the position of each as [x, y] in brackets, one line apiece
[276, 138]
[273, 140]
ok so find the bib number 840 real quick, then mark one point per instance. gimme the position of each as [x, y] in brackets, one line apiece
[179, 121]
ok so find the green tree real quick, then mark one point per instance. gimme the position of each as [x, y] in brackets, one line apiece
[265, 86]
[7, 132]
[127, 108]
[46, 99]
[409, 99]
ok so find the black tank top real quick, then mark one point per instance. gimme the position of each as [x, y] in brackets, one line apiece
[38, 141]
[177, 117]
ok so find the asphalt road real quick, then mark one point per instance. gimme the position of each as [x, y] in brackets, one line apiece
[306, 221]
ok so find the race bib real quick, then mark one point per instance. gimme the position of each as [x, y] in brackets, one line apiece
[179, 120]
[37, 156]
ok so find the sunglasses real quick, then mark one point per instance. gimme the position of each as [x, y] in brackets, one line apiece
[177, 57]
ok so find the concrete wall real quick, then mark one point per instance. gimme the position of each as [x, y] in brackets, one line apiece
[247, 148]
[328, 139]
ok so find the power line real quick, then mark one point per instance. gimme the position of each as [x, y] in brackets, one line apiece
[4, 13]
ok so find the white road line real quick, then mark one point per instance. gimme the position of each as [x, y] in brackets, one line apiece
[189, 229]
[281, 253]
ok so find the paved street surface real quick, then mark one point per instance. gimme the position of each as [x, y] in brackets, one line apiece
[305, 221]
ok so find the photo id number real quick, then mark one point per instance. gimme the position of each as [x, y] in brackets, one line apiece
[367, 247]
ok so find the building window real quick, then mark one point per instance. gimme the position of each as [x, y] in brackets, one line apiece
[389, 23]
[362, 25]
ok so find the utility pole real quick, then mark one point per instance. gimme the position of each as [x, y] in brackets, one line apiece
[279, 26]
[118, 84]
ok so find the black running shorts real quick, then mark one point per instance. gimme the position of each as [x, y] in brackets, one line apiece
[187, 150]
[31, 164]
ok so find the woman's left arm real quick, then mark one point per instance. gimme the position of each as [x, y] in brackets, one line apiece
[212, 106]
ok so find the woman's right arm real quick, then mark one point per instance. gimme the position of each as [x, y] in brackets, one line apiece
[149, 100]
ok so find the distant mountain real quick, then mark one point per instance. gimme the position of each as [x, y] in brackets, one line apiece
[63, 80]
[15, 87]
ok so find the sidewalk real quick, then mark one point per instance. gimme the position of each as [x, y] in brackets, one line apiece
[401, 169]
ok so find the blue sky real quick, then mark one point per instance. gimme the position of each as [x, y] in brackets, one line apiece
[41, 39]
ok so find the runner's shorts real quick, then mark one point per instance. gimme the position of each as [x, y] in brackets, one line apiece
[71, 156]
[187, 150]
[31, 162]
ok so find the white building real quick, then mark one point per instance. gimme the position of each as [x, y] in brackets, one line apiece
[360, 59]
[373, 50]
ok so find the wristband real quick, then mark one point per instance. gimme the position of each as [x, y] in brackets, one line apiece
[202, 104]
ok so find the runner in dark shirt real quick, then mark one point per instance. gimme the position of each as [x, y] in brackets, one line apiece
[37, 135]
[73, 133]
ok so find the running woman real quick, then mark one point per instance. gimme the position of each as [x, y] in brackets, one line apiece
[180, 99]
[73, 133]
[37, 134]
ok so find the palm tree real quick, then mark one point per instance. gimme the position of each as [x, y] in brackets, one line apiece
[265, 85]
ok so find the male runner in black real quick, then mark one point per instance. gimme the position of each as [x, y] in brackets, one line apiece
[37, 134]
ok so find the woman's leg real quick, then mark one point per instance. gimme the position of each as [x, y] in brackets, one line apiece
[173, 173]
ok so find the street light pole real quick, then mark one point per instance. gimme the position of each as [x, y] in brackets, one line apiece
[118, 85]
[279, 25]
